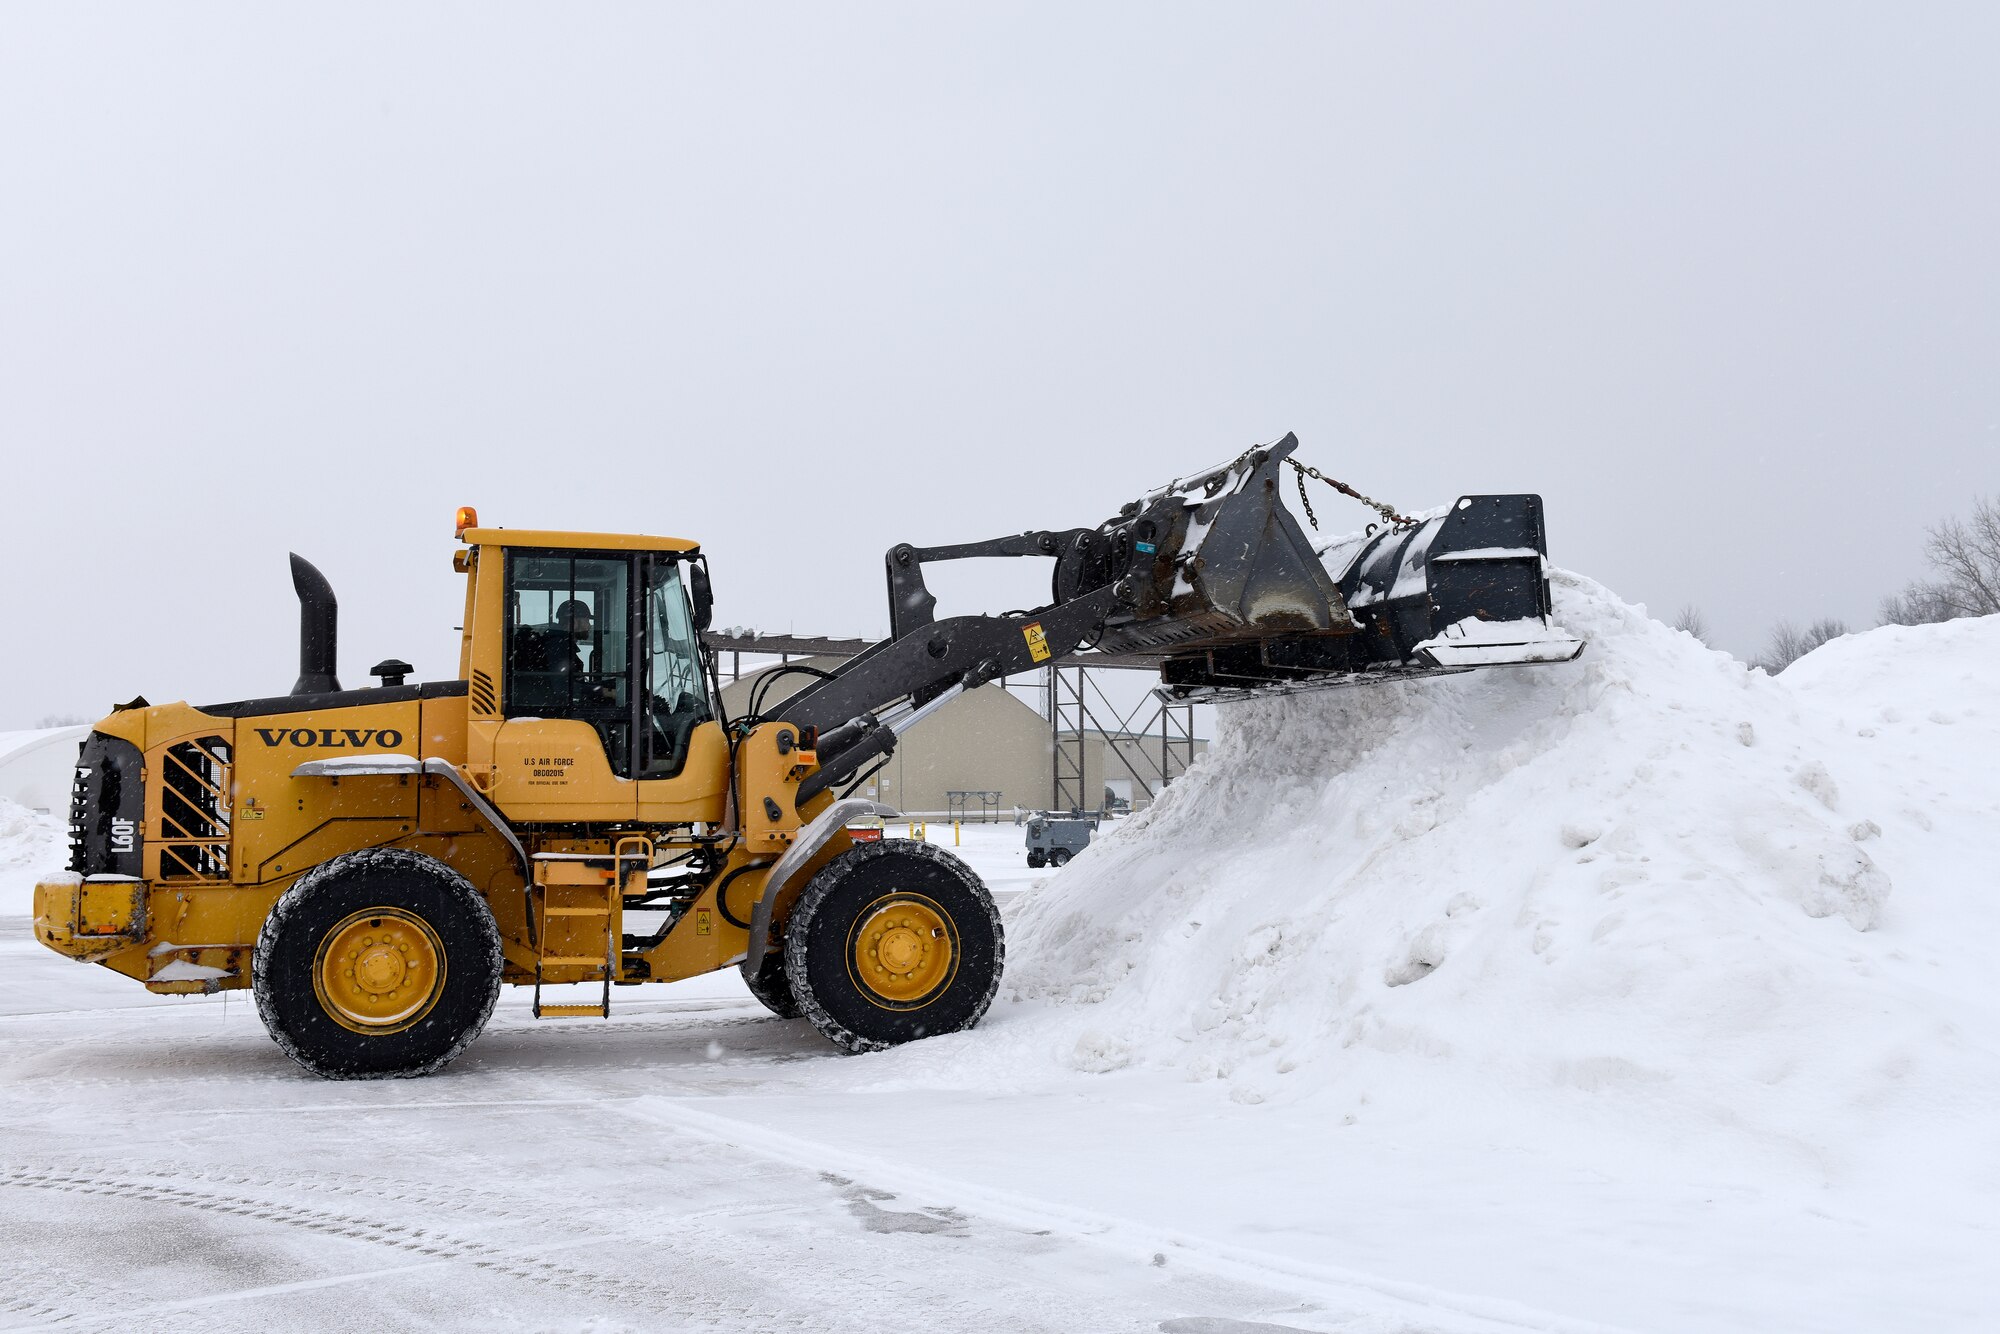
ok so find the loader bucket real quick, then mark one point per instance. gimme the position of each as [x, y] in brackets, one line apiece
[1231, 595]
[1215, 558]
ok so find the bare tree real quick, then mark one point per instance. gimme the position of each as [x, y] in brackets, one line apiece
[1789, 643]
[1787, 646]
[49, 720]
[1922, 603]
[1690, 621]
[1964, 556]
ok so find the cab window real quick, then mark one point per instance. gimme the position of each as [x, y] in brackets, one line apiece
[568, 644]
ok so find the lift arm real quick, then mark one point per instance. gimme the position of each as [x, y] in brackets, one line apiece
[1212, 574]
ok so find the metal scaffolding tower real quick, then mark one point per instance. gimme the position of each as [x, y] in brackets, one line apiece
[1068, 713]
[1077, 706]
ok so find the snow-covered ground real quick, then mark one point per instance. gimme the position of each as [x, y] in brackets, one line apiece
[1643, 992]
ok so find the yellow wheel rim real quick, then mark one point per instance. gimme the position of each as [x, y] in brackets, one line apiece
[904, 949]
[379, 971]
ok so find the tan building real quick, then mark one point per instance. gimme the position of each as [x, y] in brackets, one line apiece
[990, 740]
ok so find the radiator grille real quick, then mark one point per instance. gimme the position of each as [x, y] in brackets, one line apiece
[194, 810]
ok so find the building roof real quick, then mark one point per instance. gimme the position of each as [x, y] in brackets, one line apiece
[816, 646]
[1173, 738]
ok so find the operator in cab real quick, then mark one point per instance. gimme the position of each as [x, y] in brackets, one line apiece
[555, 647]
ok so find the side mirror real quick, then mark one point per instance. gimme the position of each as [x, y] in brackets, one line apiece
[702, 596]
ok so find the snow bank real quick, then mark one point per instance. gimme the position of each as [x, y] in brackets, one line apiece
[1651, 875]
[30, 843]
[36, 767]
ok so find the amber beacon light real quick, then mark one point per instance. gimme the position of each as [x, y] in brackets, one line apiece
[468, 517]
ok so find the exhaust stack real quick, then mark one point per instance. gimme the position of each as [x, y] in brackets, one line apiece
[319, 629]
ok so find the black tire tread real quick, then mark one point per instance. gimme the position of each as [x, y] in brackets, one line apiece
[829, 879]
[296, 900]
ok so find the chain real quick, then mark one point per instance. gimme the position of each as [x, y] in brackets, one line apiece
[1305, 470]
[1388, 512]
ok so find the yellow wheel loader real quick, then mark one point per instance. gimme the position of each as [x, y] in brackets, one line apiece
[573, 807]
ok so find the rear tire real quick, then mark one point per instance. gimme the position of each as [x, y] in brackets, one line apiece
[378, 964]
[892, 942]
[1036, 861]
[1059, 858]
[771, 985]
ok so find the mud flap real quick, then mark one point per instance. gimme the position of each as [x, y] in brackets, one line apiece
[811, 839]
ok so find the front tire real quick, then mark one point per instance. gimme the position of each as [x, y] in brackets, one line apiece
[1059, 858]
[892, 942]
[378, 964]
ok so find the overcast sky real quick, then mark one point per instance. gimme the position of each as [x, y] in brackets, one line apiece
[1721, 282]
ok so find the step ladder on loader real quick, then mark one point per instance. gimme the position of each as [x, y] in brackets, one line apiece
[576, 909]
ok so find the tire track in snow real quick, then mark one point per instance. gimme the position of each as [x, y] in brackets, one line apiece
[435, 1245]
[393, 1190]
[850, 1287]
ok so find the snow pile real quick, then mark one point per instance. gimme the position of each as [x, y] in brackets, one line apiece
[30, 843]
[1651, 873]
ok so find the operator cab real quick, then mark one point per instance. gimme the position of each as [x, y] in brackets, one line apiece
[588, 687]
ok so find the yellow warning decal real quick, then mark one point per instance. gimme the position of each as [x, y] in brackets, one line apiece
[1038, 643]
[701, 922]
